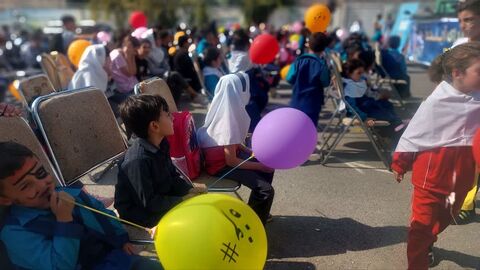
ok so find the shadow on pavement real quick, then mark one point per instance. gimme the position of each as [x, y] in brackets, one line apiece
[281, 265]
[300, 236]
[463, 260]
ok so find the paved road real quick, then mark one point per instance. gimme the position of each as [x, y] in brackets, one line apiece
[349, 214]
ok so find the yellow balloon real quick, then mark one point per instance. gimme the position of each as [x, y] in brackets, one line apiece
[294, 37]
[76, 49]
[211, 231]
[284, 72]
[317, 18]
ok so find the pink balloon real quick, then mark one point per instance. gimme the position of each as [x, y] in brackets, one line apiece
[104, 37]
[294, 45]
[283, 55]
[137, 33]
[284, 138]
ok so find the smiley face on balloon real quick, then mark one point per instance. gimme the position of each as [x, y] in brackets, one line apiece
[317, 18]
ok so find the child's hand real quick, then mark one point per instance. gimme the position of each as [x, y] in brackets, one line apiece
[370, 122]
[61, 204]
[129, 249]
[152, 232]
[198, 188]
[398, 176]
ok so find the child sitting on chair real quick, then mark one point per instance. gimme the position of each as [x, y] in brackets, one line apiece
[368, 109]
[45, 230]
[222, 137]
[148, 184]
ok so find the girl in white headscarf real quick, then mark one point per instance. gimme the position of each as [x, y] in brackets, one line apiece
[437, 147]
[93, 69]
[221, 139]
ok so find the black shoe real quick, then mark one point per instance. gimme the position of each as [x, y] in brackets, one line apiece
[464, 217]
[431, 257]
[269, 218]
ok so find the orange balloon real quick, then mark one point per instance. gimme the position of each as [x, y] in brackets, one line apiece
[317, 18]
[172, 51]
[13, 89]
[284, 72]
[76, 49]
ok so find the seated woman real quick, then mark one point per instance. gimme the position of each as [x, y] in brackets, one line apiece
[212, 71]
[222, 137]
[369, 109]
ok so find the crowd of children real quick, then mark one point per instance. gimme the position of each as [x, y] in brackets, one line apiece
[44, 229]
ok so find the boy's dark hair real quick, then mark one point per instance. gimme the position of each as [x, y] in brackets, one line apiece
[145, 41]
[240, 40]
[350, 66]
[367, 57]
[317, 42]
[12, 158]
[138, 111]
[461, 57]
[211, 54]
[394, 42]
[182, 40]
[470, 5]
[67, 19]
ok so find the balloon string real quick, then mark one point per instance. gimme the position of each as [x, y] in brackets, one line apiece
[234, 168]
[108, 215]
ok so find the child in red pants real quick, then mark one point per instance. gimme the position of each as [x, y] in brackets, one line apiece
[436, 146]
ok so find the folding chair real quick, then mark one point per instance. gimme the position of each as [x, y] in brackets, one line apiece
[386, 81]
[16, 129]
[157, 86]
[33, 87]
[58, 69]
[343, 125]
[80, 131]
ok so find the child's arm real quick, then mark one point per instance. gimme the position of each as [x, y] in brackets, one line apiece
[30, 248]
[232, 160]
[352, 102]
[401, 163]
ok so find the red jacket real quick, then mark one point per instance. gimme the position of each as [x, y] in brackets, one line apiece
[434, 169]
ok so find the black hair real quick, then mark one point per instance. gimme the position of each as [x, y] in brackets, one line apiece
[133, 40]
[350, 66]
[182, 40]
[67, 19]
[367, 57]
[470, 5]
[138, 111]
[12, 158]
[145, 41]
[394, 42]
[163, 34]
[211, 54]
[240, 40]
[317, 42]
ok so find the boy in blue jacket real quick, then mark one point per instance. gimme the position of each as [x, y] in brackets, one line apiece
[43, 229]
[309, 74]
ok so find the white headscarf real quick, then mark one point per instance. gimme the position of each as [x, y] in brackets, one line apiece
[90, 69]
[353, 88]
[446, 118]
[227, 121]
[156, 54]
[239, 61]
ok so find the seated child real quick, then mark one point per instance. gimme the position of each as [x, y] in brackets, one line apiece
[148, 184]
[309, 74]
[222, 137]
[394, 63]
[45, 230]
[211, 71]
[369, 109]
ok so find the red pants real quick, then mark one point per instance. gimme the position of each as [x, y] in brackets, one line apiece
[430, 216]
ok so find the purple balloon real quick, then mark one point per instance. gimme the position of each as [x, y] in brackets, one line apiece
[284, 138]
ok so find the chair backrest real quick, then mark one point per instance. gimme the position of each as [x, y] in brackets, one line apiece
[80, 130]
[35, 86]
[48, 66]
[64, 69]
[157, 86]
[16, 129]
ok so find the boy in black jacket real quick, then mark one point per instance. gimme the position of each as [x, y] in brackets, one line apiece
[148, 184]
